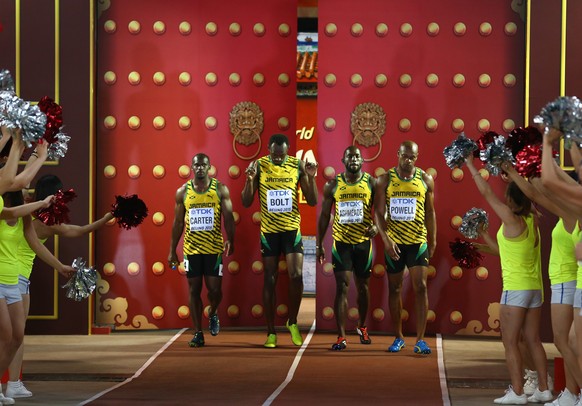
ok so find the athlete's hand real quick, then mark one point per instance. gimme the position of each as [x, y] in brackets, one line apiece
[228, 248]
[173, 261]
[311, 168]
[371, 231]
[392, 250]
[67, 271]
[320, 254]
[251, 171]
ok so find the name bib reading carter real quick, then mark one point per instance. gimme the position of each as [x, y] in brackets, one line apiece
[201, 219]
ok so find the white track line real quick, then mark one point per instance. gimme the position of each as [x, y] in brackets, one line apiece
[291, 372]
[442, 371]
[139, 371]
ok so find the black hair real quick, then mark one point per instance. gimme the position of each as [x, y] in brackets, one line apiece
[13, 198]
[46, 186]
[201, 155]
[278, 139]
[522, 202]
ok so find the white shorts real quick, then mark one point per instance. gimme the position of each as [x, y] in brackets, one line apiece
[563, 293]
[23, 285]
[578, 299]
[10, 293]
[529, 299]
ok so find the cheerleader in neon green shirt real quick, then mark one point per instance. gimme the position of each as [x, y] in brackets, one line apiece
[518, 246]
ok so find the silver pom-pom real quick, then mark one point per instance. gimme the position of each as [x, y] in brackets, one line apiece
[495, 154]
[456, 153]
[58, 149]
[565, 114]
[6, 81]
[17, 113]
[83, 282]
[471, 222]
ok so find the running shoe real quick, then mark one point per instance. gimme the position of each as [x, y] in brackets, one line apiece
[540, 396]
[5, 400]
[341, 344]
[295, 334]
[271, 341]
[511, 398]
[397, 345]
[363, 333]
[198, 340]
[214, 326]
[531, 382]
[17, 389]
[421, 347]
[565, 398]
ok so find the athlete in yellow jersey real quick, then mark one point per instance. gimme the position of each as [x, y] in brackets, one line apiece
[518, 246]
[276, 177]
[201, 203]
[408, 231]
[352, 194]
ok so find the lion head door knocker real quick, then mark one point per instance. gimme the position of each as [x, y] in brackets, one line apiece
[368, 125]
[246, 125]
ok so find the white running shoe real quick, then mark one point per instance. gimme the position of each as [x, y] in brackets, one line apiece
[531, 382]
[565, 398]
[16, 389]
[5, 401]
[539, 396]
[511, 398]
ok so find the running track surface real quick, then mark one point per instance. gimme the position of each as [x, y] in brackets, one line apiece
[234, 368]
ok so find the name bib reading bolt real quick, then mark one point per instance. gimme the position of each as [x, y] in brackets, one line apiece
[279, 201]
[201, 219]
[402, 209]
[351, 212]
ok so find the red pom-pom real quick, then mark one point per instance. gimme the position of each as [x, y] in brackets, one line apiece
[520, 137]
[54, 118]
[483, 141]
[466, 254]
[528, 161]
[130, 211]
[57, 212]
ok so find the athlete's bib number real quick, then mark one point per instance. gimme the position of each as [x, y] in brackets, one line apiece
[402, 209]
[279, 201]
[351, 212]
[201, 219]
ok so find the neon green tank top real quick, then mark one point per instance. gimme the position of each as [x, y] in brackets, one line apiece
[278, 195]
[26, 256]
[203, 220]
[10, 237]
[520, 258]
[353, 209]
[576, 238]
[562, 266]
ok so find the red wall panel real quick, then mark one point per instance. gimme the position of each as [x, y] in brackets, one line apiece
[491, 43]
[138, 287]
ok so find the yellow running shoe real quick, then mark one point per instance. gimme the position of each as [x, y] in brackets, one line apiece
[271, 341]
[295, 334]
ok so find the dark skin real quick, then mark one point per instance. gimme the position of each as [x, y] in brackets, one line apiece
[407, 156]
[307, 171]
[352, 161]
[200, 168]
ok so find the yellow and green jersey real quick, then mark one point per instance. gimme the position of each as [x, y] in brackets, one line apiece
[278, 195]
[353, 209]
[405, 200]
[203, 220]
